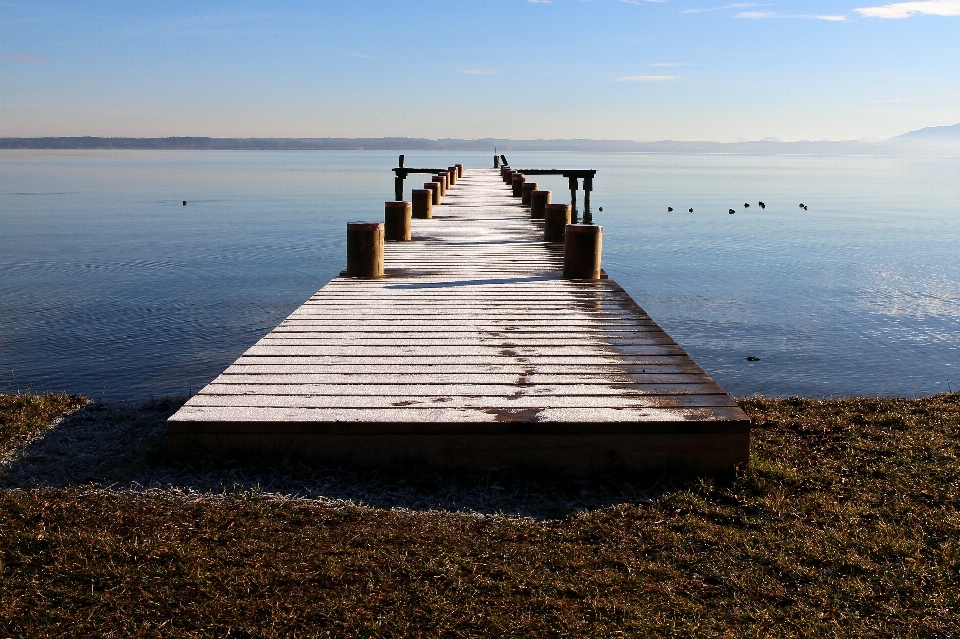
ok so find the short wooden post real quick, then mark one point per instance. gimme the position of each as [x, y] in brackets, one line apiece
[435, 187]
[365, 249]
[518, 181]
[496, 161]
[508, 176]
[527, 189]
[423, 203]
[460, 170]
[582, 246]
[396, 221]
[453, 174]
[556, 218]
[443, 184]
[538, 203]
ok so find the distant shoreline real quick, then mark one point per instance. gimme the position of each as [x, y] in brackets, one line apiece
[897, 146]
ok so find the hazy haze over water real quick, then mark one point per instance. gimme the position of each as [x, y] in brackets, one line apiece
[108, 284]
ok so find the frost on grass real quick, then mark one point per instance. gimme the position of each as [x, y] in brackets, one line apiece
[122, 446]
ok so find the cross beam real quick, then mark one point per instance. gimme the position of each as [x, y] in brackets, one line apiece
[573, 178]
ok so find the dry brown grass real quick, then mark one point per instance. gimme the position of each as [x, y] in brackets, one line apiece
[845, 524]
[24, 415]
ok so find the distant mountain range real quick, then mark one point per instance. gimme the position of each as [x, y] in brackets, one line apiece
[937, 133]
[939, 140]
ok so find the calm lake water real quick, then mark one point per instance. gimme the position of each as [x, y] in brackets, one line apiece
[109, 285]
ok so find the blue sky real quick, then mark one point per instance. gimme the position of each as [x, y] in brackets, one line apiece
[612, 69]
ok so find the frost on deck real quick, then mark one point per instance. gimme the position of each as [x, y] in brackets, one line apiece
[472, 350]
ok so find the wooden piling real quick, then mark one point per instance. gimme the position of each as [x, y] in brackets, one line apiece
[435, 188]
[439, 179]
[518, 181]
[423, 204]
[526, 190]
[365, 249]
[397, 221]
[538, 203]
[556, 218]
[582, 247]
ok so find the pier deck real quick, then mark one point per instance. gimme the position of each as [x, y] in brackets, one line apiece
[472, 351]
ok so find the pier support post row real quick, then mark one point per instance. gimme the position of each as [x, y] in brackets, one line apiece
[556, 218]
[422, 203]
[538, 203]
[433, 187]
[459, 170]
[526, 190]
[518, 181]
[582, 246]
[397, 221]
[365, 249]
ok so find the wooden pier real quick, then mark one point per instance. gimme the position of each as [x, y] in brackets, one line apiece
[472, 351]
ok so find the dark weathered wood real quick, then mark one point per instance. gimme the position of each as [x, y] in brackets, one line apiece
[396, 221]
[555, 220]
[364, 249]
[472, 350]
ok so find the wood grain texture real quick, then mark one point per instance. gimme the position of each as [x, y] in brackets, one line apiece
[473, 350]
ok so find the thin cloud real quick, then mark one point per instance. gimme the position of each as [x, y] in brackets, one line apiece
[25, 58]
[906, 9]
[761, 15]
[738, 5]
[646, 78]
[540, 1]
[667, 64]
[478, 71]
[360, 55]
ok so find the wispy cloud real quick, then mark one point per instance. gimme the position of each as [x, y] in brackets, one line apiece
[907, 9]
[738, 5]
[478, 71]
[761, 15]
[646, 78]
[540, 1]
[637, 1]
[25, 58]
[667, 64]
[360, 55]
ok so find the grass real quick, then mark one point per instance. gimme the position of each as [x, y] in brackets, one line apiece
[24, 415]
[845, 523]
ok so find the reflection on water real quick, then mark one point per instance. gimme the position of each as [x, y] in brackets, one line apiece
[109, 284]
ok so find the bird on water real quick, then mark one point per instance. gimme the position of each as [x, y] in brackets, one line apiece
[690, 211]
[731, 211]
[762, 205]
[669, 209]
[746, 205]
